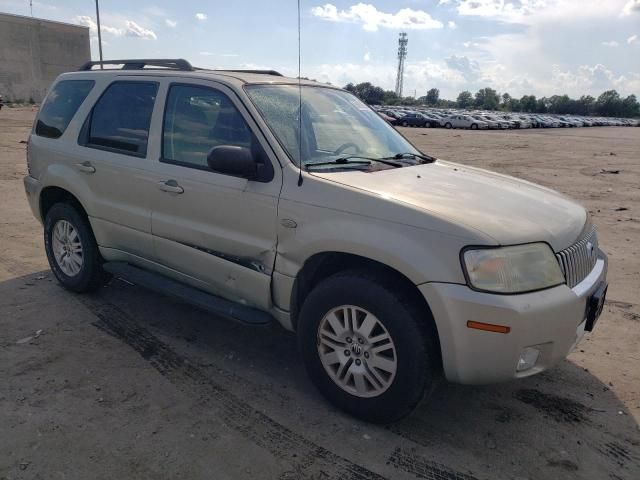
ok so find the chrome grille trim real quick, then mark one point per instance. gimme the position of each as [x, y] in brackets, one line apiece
[575, 260]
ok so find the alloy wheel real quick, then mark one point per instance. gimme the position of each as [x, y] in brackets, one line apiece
[357, 351]
[67, 248]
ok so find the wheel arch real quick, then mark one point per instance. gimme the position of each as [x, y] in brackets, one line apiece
[325, 264]
[51, 195]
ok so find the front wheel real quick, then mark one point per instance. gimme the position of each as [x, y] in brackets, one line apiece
[366, 347]
[72, 250]
[474, 126]
[405, 124]
[447, 125]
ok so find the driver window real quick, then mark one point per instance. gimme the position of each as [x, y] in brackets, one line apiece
[196, 119]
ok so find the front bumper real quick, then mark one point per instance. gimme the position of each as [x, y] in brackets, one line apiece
[552, 321]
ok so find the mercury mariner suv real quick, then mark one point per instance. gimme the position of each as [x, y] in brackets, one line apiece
[258, 197]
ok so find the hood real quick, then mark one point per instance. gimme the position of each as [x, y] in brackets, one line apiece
[509, 210]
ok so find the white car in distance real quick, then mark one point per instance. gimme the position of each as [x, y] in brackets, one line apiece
[464, 121]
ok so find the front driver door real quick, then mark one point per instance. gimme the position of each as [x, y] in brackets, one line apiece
[216, 229]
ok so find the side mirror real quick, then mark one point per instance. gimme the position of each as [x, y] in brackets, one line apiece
[234, 161]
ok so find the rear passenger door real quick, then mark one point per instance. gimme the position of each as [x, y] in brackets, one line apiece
[112, 156]
[217, 230]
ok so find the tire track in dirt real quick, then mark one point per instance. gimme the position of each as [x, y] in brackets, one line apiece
[306, 458]
[421, 467]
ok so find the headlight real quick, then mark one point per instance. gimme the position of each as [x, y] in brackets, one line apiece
[516, 269]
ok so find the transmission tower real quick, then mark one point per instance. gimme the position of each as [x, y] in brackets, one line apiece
[402, 54]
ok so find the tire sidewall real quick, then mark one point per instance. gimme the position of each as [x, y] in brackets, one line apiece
[85, 279]
[414, 371]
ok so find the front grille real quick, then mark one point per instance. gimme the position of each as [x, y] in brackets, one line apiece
[579, 259]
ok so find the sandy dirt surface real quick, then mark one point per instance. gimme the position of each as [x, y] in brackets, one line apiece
[129, 384]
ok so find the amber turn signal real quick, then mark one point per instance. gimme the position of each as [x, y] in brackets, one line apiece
[488, 327]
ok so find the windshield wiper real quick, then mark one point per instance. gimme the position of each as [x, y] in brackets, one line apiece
[426, 158]
[364, 161]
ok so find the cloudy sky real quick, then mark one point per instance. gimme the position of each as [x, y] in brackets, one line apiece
[543, 47]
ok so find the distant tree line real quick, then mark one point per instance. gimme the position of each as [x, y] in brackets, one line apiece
[608, 104]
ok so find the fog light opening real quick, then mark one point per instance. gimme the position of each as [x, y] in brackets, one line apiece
[528, 359]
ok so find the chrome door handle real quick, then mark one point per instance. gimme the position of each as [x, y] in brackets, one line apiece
[170, 186]
[86, 167]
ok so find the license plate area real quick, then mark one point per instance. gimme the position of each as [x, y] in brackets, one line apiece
[595, 304]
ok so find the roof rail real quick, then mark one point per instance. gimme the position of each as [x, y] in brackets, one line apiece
[263, 72]
[140, 64]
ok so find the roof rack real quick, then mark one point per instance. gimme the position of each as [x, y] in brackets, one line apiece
[262, 72]
[140, 64]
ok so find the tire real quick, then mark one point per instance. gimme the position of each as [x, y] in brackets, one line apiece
[412, 349]
[427, 125]
[89, 275]
[474, 126]
[447, 125]
[405, 124]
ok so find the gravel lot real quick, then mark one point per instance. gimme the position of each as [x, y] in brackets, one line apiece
[129, 384]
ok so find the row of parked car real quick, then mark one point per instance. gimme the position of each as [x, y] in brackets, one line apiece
[490, 120]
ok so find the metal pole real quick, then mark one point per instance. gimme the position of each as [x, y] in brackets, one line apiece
[99, 34]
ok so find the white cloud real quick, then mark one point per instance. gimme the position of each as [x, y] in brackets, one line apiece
[201, 16]
[371, 18]
[597, 78]
[458, 73]
[633, 39]
[170, 23]
[206, 54]
[135, 30]
[469, 69]
[538, 11]
[367, 57]
[506, 11]
[131, 29]
[611, 43]
[632, 6]
[93, 26]
[452, 25]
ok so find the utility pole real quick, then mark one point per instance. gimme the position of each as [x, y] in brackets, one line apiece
[402, 54]
[31, 6]
[99, 34]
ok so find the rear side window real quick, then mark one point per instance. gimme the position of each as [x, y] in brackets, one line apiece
[120, 119]
[61, 105]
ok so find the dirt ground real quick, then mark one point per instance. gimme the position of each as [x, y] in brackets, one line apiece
[129, 384]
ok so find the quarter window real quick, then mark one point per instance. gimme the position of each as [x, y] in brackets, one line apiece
[61, 105]
[120, 119]
[197, 119]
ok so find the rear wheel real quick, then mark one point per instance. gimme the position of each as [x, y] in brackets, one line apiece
[405, 124]
[365, 347]
[72, 250]
[474, 126]
[448, 125]
[427, 125]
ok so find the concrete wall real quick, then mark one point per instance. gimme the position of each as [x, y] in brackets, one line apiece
[33, 52]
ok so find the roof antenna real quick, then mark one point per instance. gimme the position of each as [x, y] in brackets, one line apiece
[299, 106]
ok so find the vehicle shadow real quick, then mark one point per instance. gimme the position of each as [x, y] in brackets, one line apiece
[564, 423]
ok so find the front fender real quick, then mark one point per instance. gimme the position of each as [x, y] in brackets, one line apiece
[420, 255]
